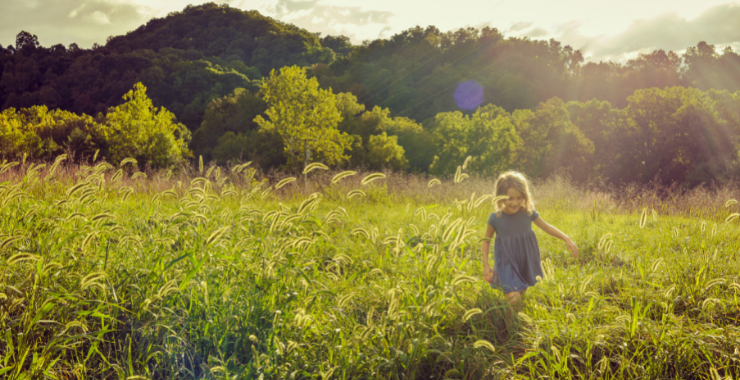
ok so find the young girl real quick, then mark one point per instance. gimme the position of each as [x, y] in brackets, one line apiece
[517, 254]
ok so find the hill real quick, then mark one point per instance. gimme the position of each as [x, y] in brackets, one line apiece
[185, 59]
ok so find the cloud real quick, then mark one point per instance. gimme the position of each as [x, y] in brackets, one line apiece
[520, 26]
[717, 25]
[66, 21]
[535, 33]
[331, 19]
[285, 7]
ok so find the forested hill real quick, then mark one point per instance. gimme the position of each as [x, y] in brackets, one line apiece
[185, 59]
[228, 33]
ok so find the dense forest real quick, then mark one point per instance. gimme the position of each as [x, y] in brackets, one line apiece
[225, 79]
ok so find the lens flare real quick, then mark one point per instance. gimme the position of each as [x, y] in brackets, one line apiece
[468, 95]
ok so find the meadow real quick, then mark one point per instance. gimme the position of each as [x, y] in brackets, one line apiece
[231, 273]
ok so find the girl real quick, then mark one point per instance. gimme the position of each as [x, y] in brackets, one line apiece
[517, 254]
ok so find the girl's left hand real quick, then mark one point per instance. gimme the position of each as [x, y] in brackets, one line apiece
[572, 246]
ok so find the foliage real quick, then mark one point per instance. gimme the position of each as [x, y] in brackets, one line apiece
[304, 116]
[135, 129]
[402, 136]
[383, 152]
[488, 137]
[37, 132]
[139, 130]
[415, 140]
[681, 129]
[606, 127]
[264, 148]
[661, 114]
[185, 59]
[550, 141]
[232, 113]
[226, 32]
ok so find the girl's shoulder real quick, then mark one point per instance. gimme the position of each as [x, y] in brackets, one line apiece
[494, 218]
[534, 215]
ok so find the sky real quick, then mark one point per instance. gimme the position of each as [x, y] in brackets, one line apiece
[602, 30]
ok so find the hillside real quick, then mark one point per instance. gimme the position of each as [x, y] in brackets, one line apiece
[186, 60]
[228, 33]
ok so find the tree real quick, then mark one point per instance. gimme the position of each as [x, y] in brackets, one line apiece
[681, 133]
[26, 42]
[232, 113]
[414, 139]
[550, 141]
[138, 129]
[339, 44]
[488, 136]
[304, 116]
[383, 152]
[607, 128]
[377, 136]
[39, 132]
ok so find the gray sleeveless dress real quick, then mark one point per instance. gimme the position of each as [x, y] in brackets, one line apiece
[516, 252]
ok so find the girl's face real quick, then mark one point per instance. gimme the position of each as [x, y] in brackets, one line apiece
[515, 201]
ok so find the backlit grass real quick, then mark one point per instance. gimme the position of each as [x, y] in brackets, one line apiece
[216, 274]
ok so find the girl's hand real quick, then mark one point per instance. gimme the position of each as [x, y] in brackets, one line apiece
[488, 273]
[572, 246]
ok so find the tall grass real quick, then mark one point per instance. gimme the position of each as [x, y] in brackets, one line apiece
[215, 273]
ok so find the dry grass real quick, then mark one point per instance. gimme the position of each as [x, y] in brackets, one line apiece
[556, 192]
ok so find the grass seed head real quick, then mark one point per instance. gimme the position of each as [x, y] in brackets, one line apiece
[371, 177]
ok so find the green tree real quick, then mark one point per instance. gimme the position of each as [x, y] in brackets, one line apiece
[414, 139]
[263, 148]
[138, 129]
[606, 127]
[16, 138]
[39, 132]
[232, 113]
[550, 141]
[383, 152]
[304, 116]
[488, 136]
[680, 134]
[376, 133]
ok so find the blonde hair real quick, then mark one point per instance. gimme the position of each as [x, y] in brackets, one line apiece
[517, 181]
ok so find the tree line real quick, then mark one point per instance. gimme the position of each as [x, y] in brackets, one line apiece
[135, 129]
[675, 134]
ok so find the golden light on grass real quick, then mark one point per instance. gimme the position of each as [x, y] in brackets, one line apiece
[337, 276]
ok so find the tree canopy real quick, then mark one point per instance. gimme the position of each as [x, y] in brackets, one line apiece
[304, 116]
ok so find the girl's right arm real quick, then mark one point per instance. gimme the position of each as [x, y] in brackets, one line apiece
[486, 247]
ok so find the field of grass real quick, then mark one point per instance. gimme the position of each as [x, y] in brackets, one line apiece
[219, 273]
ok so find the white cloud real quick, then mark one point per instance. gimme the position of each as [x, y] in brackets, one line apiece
[520, 26]
[717, 25]
[535, 33]
[316, 16]
[86, 21]
[99, 17]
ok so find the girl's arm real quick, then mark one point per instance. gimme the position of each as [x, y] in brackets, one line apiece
[486, 247]
[556, 233]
